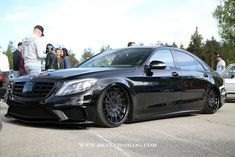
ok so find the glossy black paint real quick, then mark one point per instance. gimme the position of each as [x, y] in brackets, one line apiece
[153, 92]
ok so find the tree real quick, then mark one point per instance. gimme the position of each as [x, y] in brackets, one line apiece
[105, 48]
[73, 59]
[182, 46]
[86, 54]
[9, 53]
[174, 45]
[209, 51]
[225, 16]
[227, 51]
[195, 43]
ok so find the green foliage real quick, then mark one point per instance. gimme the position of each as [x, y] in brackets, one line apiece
[73, 59]
[225, 16]
[86, 54]
[105, 48]
[209, 51]
[174, 45]
[227, 51]
[182, 46]
[9, 53]
[195, 43]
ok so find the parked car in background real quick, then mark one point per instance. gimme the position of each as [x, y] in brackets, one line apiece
[229, 78]
[118, 86]
[2, 90]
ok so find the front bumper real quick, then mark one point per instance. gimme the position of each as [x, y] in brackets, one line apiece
[65, 110]
[2, 92]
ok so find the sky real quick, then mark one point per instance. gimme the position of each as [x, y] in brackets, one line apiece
[80, 24]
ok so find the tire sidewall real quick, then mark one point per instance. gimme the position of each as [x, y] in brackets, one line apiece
[101, 117]
[207, 107]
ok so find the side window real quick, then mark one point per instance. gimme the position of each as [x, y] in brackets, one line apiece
[199, 66]
[230, 73]
[184, 61]
[164, 56]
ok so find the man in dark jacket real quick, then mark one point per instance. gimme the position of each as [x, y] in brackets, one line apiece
[51, 57]
[16, 59]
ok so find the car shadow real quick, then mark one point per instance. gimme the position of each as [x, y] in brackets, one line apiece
[46, 125]
[164, 118]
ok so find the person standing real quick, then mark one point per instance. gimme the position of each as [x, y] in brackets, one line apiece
[33, 51]
[22, 70]
[65, 64]
[4, 67]
[131, 43]
[221, 64]
[16, 59]
[58, 59]
[51, 57]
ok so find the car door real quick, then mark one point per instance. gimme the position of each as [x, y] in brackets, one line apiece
[229, 78]
[195, 80]
[163, 87]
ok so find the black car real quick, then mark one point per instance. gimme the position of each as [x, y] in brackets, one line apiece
[117, 86]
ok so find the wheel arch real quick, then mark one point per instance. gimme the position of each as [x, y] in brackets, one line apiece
[127, 86]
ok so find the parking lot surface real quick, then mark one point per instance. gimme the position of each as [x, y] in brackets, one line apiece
[184, 136]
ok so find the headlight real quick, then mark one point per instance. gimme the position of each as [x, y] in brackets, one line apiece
[75, 86]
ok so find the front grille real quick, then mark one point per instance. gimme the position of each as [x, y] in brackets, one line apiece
[38, 89]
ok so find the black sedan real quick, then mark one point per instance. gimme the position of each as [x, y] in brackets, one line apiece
[118, 86]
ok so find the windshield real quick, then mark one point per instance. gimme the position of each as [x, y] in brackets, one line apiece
[123, 58]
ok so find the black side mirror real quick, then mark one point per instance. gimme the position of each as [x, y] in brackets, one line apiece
[154, 65]
[232, 76]
[157, 65]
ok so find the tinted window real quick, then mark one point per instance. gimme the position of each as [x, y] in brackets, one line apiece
[199, 66]
[119, 58]
[230, 73]
[184, 61]
[164, 56]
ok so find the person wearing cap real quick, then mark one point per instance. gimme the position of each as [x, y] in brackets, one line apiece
[221, 64]
[34, 51]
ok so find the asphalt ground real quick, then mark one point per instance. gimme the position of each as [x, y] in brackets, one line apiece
[195, 135]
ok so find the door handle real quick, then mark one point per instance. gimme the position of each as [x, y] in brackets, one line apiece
[175, 74]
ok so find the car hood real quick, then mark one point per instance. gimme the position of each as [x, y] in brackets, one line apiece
[73, 72]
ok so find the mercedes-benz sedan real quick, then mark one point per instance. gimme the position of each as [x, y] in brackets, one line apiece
[117, 86]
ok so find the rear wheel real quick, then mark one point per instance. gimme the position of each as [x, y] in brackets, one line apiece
[212, 101]
[113, 107]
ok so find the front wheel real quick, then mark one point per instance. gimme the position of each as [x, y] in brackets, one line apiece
[212, 101]
[113, 107]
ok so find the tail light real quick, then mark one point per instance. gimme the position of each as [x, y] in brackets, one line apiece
[2, 77]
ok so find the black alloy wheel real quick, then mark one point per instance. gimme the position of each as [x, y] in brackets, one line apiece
[212, 101]
[113, 107]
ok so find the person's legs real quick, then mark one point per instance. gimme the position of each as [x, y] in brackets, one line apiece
[33, 70]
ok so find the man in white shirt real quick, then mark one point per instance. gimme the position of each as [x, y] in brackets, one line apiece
[4, 66]
[221, 64]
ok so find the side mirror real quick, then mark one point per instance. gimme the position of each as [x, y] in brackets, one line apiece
[157, 65]
[154, 65]
[232, 76]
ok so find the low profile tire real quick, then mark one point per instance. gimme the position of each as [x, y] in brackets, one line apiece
[212, 101]
[113, 107]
